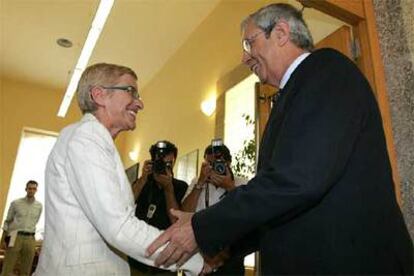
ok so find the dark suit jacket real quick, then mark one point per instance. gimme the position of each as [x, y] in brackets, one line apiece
[323, 199]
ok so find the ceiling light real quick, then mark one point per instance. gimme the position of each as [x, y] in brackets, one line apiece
[65, 43]
[98, 23]
[133, 155]
[208, 106]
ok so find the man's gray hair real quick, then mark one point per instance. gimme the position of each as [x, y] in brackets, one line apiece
[267, 17]
[100, 74]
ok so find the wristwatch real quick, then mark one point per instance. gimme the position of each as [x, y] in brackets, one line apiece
[199, 186]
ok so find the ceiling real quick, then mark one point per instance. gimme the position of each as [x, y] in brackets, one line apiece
[141, 34]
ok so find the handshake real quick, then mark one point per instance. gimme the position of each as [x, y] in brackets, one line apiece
[181, 245]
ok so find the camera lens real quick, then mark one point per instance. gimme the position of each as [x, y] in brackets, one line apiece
[159, 166]
[219, 167]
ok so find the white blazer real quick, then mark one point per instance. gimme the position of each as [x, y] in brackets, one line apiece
[89, 208]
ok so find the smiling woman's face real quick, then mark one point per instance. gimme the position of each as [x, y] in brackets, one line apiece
[121, 107]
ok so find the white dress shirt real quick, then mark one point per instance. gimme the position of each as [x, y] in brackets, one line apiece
[89, 208]
[292, 68]
[215, 194]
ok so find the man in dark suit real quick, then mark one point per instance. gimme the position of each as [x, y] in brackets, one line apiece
[323, 199]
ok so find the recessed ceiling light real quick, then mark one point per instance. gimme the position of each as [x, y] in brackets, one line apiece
[63, 42]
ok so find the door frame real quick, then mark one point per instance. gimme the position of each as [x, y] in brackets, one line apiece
[360, 15]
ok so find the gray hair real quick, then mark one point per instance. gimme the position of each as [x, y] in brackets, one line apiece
[104, 74]
[267, 17]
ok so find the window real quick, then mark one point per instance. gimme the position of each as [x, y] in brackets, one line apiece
[239, 101]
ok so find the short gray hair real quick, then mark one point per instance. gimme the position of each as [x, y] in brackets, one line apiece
[104, 74]
[267, 17]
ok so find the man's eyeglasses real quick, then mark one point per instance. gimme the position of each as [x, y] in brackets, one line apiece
[129, 89]
[247, 42]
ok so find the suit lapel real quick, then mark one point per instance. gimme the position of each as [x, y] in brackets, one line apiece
[280, 107]
[273, 123]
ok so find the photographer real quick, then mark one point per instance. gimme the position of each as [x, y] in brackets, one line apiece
[156, 192]
[215, 181]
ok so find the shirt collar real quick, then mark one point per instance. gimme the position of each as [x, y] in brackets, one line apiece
[292, 68]
[30, 200]
[88, 117]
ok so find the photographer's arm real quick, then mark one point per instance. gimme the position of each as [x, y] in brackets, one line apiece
[189, 203]
[166, 182]
[140, 182]
[171, 202]
[137, 186]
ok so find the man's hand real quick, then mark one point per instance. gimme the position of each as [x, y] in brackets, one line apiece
[206, 269]
[205, 172]
[3, 245]
[181, 242]
[140, 182]
[165, 180]
[218, 260]
[211, 264]
[4, 240]
[224, 181]
[146, 170]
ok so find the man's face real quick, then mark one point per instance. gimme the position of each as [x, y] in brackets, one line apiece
[209, 158]
[121, 106]
[169, 158]
[31, 190]
[262, 59]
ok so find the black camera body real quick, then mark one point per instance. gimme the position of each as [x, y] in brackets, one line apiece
[159, 166]
[219, 164]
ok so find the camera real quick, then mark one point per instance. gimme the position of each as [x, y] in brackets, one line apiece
[159, 166]
[219, 164]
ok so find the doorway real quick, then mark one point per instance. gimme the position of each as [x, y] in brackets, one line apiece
[34, 149]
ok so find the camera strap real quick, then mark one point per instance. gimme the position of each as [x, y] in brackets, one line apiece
[152, 202]
[207, 195]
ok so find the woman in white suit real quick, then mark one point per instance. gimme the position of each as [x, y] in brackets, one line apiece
[89, 206]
